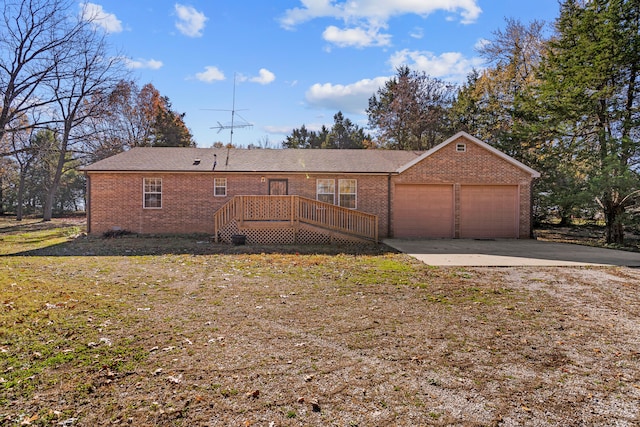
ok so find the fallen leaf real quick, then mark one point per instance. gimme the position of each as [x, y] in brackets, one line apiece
[175, 380]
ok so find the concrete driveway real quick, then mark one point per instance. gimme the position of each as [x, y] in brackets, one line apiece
[510, 253]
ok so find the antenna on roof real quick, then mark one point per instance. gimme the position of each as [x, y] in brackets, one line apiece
[243, 124]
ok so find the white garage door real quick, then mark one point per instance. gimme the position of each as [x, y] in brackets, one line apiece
[489, 211]
[423, 211]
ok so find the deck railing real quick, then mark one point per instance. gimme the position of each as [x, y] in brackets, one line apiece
[296, 209]
[224, 216]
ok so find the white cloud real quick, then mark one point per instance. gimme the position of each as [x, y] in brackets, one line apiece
[312, 9]
[151, 64]
[190, 21]
[377, 10]
[284, 130]
[449, 66]
[417, 33]
[95, 14]
[264, 78]
[357, 37]
[481, 43]
[210, 74]
[352, 98]
[365, 18]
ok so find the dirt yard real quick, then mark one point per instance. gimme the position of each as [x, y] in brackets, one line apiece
[180, 332]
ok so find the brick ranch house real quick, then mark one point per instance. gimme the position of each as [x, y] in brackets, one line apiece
[462, 188]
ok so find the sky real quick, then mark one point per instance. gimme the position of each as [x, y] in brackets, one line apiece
[281, 64]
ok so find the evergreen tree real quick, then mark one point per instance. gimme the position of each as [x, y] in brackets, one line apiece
[169, 128]
[343, 134]
[589, 95]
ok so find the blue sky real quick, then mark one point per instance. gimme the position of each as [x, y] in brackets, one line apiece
[295, 62]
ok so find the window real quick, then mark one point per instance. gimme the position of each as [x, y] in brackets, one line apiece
[219, 187]
[153, 193]
[326, 190]
[461, 148]
[347, 193]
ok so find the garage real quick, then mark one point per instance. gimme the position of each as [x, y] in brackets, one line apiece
[489, 211]
[429, 211]
[464, 189]
[423, 211]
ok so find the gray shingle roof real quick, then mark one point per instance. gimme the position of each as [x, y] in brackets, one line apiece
[179, 159]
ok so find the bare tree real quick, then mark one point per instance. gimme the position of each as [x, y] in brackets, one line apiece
[516, 51]
[410, 111]
[55, 69]
[24, 156]
[79, 87]
[33, 39]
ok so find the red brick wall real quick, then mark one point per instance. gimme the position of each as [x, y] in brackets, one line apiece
[188, 203]
[117, 201]
[476, 165]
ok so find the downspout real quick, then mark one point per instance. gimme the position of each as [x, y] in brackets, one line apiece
[87, 202]
[532, 234]
[389, 205]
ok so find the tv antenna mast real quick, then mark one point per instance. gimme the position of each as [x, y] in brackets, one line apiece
[243, 124]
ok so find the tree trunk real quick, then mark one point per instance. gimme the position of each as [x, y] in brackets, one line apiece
[614, 226]
[565, 218]
[1, 198]
[47, 213]
[57, 175]
[20, 202]
[47, 209]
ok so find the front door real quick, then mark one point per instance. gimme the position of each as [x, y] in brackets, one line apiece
[278, 187]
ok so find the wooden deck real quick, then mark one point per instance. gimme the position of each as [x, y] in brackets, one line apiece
[291, 211]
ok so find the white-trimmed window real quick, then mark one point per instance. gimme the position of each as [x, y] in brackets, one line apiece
[219, 187]
[152, 193]
[347, 193]
[326, 190]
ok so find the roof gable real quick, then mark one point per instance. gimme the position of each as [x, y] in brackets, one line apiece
[493, 150]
